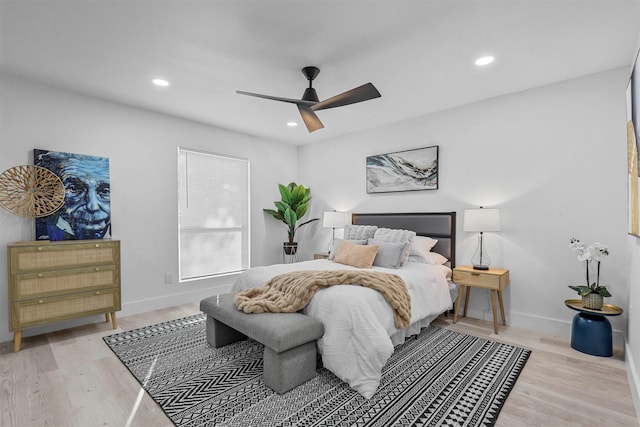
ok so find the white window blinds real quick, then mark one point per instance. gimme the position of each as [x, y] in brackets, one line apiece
[213, 214]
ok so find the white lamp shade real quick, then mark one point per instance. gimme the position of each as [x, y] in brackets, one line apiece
[482, 220]
[334, 219]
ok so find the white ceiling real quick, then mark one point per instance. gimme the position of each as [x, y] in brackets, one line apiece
[419, 54]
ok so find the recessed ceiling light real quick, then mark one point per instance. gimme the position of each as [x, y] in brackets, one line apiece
[160, 82]
[485, 60]
[292, 124]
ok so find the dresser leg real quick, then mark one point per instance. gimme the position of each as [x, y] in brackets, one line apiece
[106, 317]
[17, 341]
[114, 322]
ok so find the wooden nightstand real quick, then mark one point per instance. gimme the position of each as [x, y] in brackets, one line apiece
[494, 279]
[321, 255]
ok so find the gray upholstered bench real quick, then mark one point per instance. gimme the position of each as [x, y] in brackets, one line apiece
[288, 338]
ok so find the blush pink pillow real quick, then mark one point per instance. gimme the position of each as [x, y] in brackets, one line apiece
[360, 256]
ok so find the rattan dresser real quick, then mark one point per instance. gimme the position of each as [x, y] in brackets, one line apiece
[54, 281]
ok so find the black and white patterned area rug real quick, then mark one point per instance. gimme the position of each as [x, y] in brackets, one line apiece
[439, 378]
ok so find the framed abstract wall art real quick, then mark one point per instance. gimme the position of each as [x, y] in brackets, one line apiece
[86, 212]
[633, 139]
[409, 170]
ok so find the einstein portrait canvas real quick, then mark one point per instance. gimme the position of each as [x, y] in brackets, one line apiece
[86, 213]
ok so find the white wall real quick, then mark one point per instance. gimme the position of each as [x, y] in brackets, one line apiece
[552, 159]
[632, 347]
[142, 148]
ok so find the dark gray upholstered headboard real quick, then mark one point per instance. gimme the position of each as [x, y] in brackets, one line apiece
[438, 225]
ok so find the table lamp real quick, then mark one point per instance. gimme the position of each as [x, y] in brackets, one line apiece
[481, 220]
[333, 220]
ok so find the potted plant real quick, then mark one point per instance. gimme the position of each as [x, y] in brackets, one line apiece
[294, 203]
[592, 293]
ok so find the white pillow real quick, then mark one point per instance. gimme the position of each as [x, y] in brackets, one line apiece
[422, 245]
[359, 232]
[429, 258]
[336, 246]
[395, 236]
[388, 253]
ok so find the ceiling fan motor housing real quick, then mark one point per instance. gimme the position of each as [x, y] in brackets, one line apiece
[310, 93]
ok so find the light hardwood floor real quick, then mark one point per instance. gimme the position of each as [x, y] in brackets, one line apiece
[71, 378]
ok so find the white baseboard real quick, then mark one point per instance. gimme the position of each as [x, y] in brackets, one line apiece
[633, 378]
[547, 325]
[128, 309]
[149, 304]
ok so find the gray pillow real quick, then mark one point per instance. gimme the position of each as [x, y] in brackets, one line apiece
[336, 246]
[359, 232]
[388, 253]
[396, 236]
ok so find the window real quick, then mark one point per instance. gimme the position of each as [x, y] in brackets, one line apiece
[213, 214]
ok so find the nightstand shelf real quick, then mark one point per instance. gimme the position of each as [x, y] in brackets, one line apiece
[494, 279]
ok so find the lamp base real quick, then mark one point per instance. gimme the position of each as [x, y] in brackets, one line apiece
[480, 267]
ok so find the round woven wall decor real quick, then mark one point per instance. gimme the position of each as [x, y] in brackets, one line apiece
[31, 191]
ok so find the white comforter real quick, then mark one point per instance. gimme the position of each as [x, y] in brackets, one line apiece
[358, 322]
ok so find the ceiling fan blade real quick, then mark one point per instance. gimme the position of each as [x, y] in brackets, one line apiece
[277, 98]
[359, 94]
[310, 119]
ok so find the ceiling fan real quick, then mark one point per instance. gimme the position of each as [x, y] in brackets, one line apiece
[309, 103]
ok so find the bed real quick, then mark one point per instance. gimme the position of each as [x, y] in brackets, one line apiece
[360, 333]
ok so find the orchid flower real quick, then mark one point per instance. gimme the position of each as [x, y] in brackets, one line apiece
[594, 252]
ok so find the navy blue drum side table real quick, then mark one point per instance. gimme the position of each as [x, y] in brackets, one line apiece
[590, 330]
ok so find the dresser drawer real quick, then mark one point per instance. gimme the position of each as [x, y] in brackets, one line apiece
[51, 283]
[480, 279]
[47, 310]
[48, 256]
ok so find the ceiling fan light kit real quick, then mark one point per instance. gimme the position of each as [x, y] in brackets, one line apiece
[310, 103]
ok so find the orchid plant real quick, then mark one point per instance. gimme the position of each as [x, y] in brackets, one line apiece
[592, 253]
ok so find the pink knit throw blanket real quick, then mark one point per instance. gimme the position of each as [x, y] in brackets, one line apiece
[290, 292]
